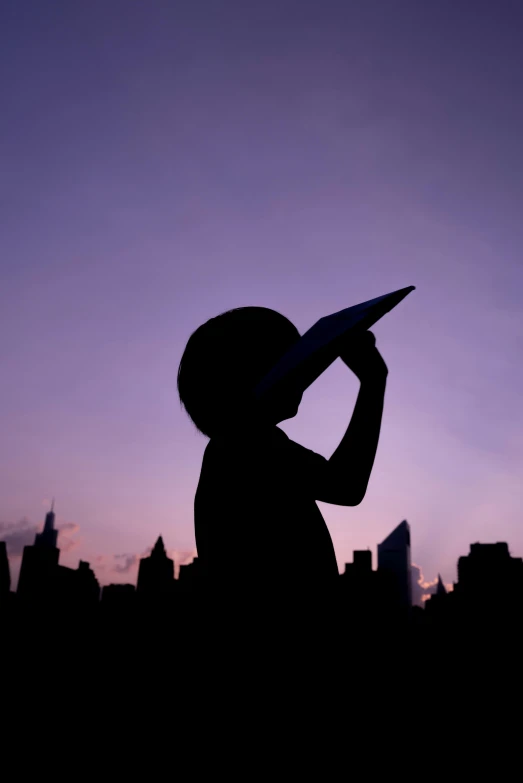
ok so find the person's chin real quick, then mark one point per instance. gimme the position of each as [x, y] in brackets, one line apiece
[290, 414]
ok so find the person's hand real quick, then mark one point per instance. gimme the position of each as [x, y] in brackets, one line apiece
[363, 358]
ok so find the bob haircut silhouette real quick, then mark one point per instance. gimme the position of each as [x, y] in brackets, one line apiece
[224, 360]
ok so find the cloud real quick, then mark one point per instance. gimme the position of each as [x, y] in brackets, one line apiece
[101, 562]
[421, 588]
[21, 533]
[105, 566]
[181, 557]
[127, 563]
[66, 533]
[17, 535]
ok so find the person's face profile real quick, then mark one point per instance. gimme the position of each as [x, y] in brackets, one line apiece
[288, 406]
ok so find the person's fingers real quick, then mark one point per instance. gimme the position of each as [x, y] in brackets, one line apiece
[362, 341]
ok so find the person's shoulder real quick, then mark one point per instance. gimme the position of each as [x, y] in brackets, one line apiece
[219, 458]
[246, 442]
[217, 448]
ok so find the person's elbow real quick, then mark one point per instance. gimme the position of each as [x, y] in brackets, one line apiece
[358, 498]
[353, 498]
[343, 495]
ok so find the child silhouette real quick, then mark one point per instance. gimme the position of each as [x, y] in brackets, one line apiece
[259, 532]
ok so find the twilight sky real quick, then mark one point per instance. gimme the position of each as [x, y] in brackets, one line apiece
[162, 162]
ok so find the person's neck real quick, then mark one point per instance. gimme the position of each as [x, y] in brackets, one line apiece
[248, 429]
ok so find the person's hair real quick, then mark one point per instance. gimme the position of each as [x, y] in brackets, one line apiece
[223, 361]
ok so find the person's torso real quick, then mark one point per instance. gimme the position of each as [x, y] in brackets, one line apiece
[256, 518]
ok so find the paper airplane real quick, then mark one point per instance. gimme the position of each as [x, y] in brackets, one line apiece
[319, 346]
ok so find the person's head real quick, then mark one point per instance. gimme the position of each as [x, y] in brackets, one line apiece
[224, 360]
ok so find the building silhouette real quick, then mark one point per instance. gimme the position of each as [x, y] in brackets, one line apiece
[485, 605]
[490, 580]
[5, 575]
[486, 601]
[43, 581]
[156, 575]
[357, 578]
[394, 567]
[189, 577]
[440, 587]
[88, 587]
[49, 536]
[437, 606]
[37, 581]
[360, 592]
[76, 587]
[118, 597]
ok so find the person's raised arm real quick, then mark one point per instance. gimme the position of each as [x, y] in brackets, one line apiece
[348, 470]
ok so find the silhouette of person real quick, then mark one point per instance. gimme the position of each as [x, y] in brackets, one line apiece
[261, 539]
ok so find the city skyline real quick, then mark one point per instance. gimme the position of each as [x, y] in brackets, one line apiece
[162, 163]
[486, 598]
[127, 572]
[115, 568]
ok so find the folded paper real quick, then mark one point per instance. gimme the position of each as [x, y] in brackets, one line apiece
[310, 356]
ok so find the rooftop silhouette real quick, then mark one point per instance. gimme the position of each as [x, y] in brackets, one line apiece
[49, 536]
[395, 564]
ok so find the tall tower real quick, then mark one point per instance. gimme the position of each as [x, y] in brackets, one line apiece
[48, 537]
[40, 563]
[156, 574]
[440, 588]
[395, 566]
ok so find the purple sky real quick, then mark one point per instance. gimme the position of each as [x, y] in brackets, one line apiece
[162, 162]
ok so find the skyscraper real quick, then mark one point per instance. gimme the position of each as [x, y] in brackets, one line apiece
[360, 592]
[156, 574]
[40, 563]
[394, 566]
[440, 588]
[489, 576]
[48, 537]
[88, 586]
[5, 574]
[188, 577]
[437, 603]
[76, 587]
